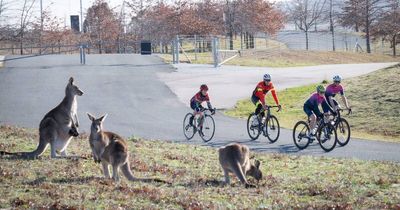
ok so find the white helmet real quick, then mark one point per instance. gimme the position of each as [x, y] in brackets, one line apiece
[267, 77]
[337, 78]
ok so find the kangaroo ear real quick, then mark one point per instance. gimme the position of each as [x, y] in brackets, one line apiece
[103, 117]
[257, 163]
[71, 80]
[90, 116]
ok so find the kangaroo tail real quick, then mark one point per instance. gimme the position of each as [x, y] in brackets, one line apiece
[30, 155]
[127, 172]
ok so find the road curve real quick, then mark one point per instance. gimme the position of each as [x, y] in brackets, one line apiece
[129, 89]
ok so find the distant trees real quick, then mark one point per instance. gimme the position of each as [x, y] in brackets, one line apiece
[388, 25]
[102, 26]
[305, 13]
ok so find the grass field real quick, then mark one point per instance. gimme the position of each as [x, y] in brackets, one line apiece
[290, 182]
[287, 58]
[374, 98]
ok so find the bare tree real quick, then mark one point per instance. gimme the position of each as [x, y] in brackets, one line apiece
[26, 14]
[388, 25]
[333, 17]
[363, 14]
[305, 13]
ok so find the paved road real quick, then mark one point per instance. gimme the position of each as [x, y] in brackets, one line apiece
[128, 88]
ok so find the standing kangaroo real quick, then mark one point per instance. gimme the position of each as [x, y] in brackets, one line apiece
[235, 158]
[109, 149]
[58, 126]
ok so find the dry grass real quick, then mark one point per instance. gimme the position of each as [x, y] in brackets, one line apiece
[287, 58]
[290, 182]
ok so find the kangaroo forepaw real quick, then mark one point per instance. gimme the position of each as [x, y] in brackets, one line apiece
[250, 185]
[73, 132]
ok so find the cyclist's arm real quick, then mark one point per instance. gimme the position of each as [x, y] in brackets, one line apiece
[346, 103]
[209, 105]
[273, 92]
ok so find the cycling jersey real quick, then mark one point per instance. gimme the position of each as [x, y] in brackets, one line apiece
[312, 104]
[261, 90]
[334, 89]
[196, 100]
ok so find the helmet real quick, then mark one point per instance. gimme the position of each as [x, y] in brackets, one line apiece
[203, 87]
[337, 78]
[267, 77]
[320, 89]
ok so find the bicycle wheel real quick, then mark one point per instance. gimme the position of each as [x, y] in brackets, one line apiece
[300, 135]
[188, 130]
[272, 129]
[327, 136]
[343, 132]
[253, 126]
[208, 128]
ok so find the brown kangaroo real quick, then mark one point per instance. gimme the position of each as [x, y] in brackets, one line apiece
[58, 126]
[235, 158]
[111, 149]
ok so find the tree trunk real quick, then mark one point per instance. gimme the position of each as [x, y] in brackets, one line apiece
[367, 35]
[331, 26]
[20, 43]
[231, 40]
[306, 40]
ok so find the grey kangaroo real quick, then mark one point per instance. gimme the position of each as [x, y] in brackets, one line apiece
[235, 158]
[111, 149]
[58, 126]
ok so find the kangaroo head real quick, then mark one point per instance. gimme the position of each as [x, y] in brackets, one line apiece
[72, 89]
[97, 124]
[255, 170]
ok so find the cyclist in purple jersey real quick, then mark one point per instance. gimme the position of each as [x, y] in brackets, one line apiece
[331, 91]
[312, 110]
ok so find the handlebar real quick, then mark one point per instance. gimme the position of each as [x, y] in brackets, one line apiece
[211, 110]
[349, 110]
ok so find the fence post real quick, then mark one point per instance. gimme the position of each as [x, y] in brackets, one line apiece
[195, 47]
[80, 54]
[215, 51]
[177, 49]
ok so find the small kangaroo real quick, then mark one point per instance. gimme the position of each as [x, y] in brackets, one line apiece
[111, 149]
[58, 126]
[235, 158]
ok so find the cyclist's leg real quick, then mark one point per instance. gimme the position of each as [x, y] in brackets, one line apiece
[327, 109]
[195, 106]
[311, 117]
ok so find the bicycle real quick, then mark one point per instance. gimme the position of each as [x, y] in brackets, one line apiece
[205, 125]
[326, 134]
[342, 127]
[270, 128]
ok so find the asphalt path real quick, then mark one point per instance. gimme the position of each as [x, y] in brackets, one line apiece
[131, 89]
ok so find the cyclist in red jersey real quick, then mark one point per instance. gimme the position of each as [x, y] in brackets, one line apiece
[258, 97]
[197, 100]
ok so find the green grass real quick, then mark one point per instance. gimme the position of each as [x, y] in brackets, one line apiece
[374, 99]
[289, 181]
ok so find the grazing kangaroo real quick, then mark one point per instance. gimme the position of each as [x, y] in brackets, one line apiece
[58, 126]
[235, 158]
[111, 149]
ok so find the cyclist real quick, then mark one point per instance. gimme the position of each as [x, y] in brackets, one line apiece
[331, 92]
[197, 100]
[259, 93]
[311, 108]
